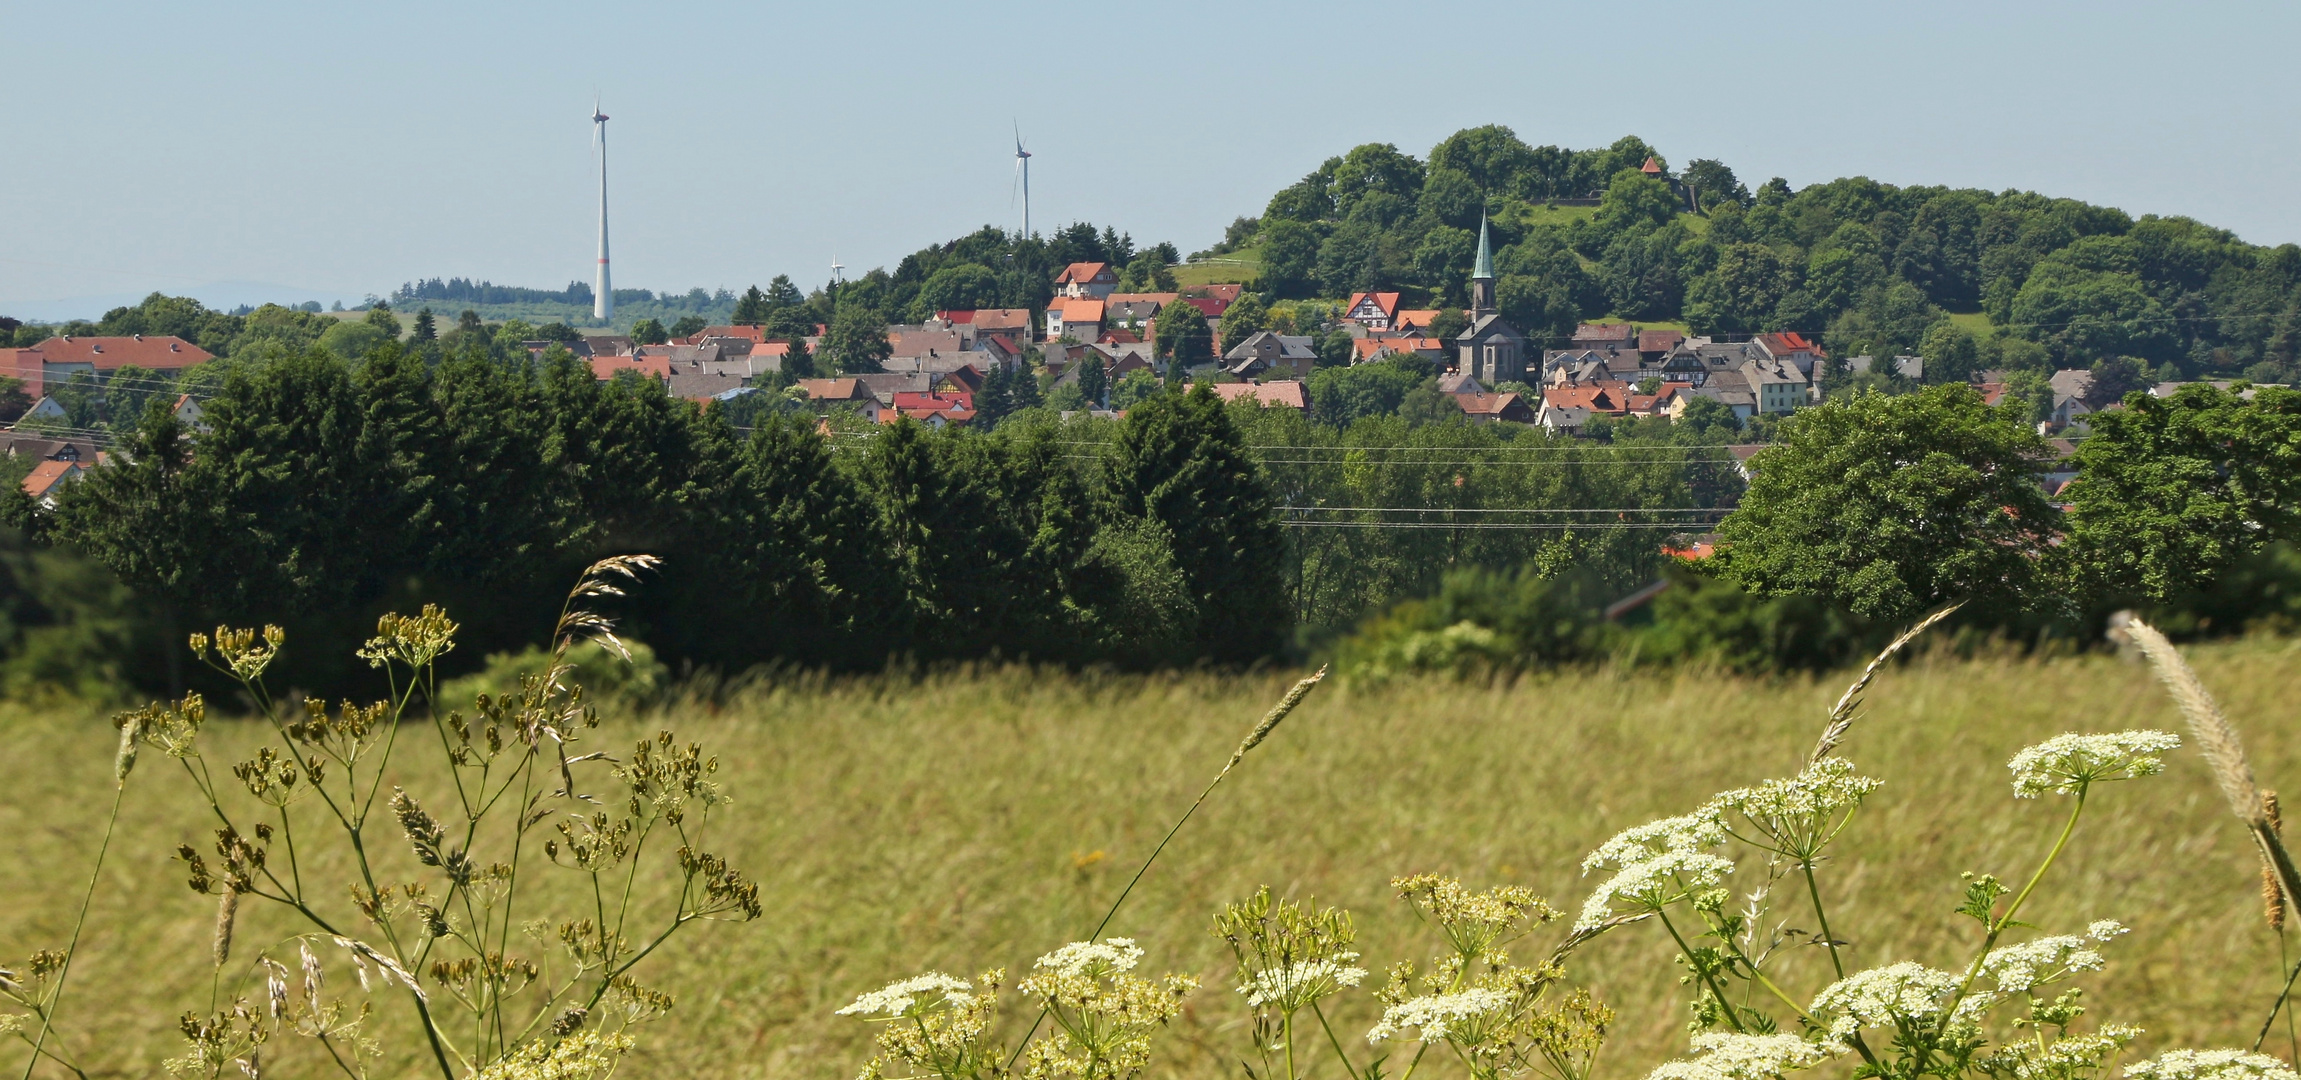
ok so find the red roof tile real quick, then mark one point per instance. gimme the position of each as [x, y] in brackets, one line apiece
[164, 352]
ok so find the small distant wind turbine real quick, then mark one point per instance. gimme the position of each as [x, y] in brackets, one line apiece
[836, 267]
[603, 296]
[1023, 178]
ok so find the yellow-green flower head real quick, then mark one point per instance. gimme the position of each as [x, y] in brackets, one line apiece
[2068, 764]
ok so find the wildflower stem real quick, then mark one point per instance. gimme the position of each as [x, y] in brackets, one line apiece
[2282, 997]
[1998, 926]
[1261, 731]
[1339, 1054]
[1289, 1036]
[1814, 893]
[72, 950]
[1709, 978]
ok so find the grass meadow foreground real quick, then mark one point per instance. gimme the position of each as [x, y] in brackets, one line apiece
[967, 821]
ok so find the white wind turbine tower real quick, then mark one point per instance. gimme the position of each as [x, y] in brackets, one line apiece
[603, 294]
[1023, 177]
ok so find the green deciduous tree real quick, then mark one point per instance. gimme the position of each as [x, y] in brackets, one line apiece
[2171, 491]
[1892, 505]
[857, 342]
[1182, 334]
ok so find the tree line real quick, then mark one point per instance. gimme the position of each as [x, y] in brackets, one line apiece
[326, 491]
[1863, 266]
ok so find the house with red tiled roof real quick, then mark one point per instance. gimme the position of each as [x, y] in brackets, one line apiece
[753, 334]
[1373, 310]
[1086, 280]
[1015, 322]
[1415, 321]
[57, 359]
[1791, 348]
[1495, 408]
[1077, 319]
[1655, 346]
[47, 480]
[1288, 394]
[825, 394]
[1612, 398]
[934, 409]
[1605, 336]
[604, 368]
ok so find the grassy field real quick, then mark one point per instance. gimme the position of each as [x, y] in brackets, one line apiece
[965, 821]
[1238, 266]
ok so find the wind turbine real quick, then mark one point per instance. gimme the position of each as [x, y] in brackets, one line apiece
[836, 267]
[1023, 178]
[603, 296]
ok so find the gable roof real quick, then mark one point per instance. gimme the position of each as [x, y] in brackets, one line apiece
[47, 476]
[1077, 309]
[747, 333]
[1600, 333]
[1661, 341]
[1386, 302]
[1787, 342]
[1605, 397]
[1288, 393]
[604, 368]
[1084, 273]
[1492, 405]
[156, 352]
[847, 389]
[1001, 319]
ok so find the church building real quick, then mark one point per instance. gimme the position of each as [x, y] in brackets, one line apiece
[1490, 350]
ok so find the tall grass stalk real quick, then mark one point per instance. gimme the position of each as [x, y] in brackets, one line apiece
[126, 761]
[2225, 752]
[1262, 730]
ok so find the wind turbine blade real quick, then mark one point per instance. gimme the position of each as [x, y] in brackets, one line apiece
[1015, 184]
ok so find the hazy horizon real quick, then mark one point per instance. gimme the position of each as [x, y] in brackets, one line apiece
[339, 156]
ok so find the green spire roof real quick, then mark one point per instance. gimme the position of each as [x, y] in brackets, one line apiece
[1484, 267]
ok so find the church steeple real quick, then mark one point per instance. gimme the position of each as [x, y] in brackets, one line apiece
[1482, 275]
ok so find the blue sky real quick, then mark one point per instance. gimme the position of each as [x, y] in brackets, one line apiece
[323, 150]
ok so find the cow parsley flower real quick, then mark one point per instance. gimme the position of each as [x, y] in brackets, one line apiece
[1804, 812]
[1725, 1055]
[1292, 986]
[2210, 1065]
[1109, 956]
[1653, 883]
[897, 998]
[2023, 967]
[2067, 764]
[1903, 994]
[1436, 1016]
[1687, 832]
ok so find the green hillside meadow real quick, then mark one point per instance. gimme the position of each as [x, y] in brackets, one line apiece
[969, 820]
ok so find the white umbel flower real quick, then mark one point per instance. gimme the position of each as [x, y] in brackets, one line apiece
[1725, 1055]
[1652, 883]
[1294, 985]
[1687, 832]
[2021, 968]
[1434, 1016]
[1893, 996]
[896, 998]
[1655, 862]
[2210, 1065]
[1825, 787]
[2066, 764]
[1110, 956]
